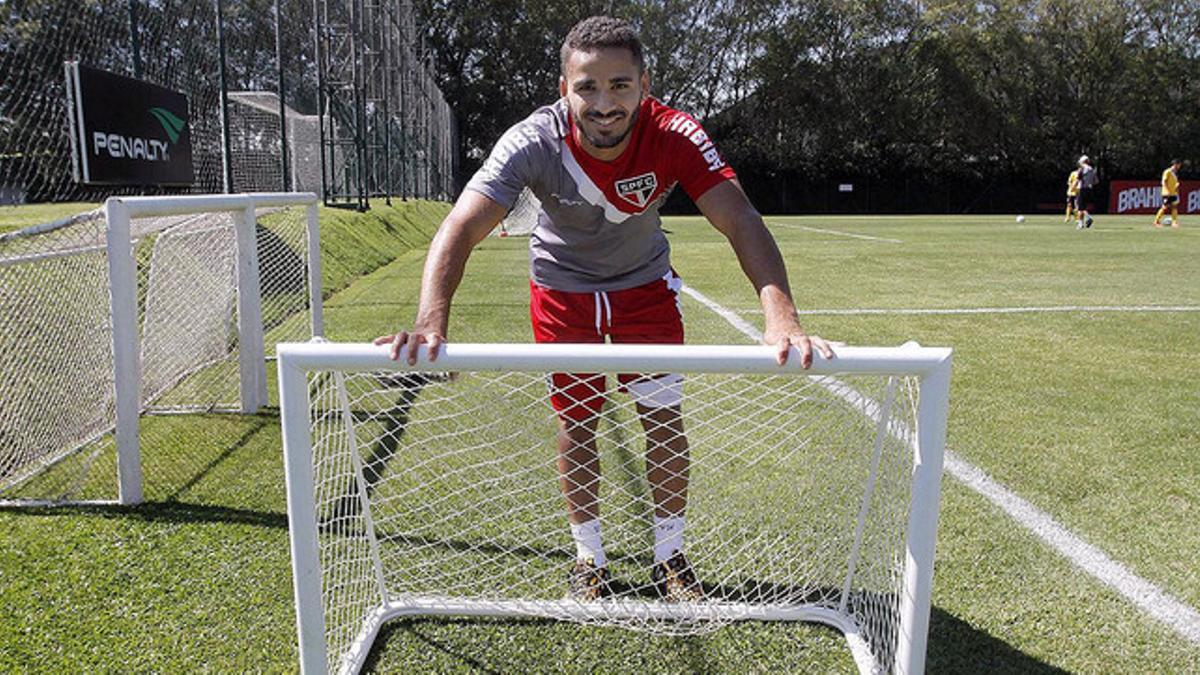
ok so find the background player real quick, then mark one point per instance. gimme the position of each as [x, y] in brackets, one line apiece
[1170, 194]
[1087, 181]
[1072, 195]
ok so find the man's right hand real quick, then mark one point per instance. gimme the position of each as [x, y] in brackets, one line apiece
[407, 342]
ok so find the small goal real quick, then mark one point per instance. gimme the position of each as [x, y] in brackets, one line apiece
[150, 306]
[433, 490]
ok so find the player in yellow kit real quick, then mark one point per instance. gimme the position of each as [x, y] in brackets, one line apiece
[1072, 195]
[1170, 194]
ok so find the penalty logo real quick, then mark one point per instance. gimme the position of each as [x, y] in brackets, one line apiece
[637, 190]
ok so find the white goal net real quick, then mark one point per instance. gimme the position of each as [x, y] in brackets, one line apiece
[813, 495]
[522, 217]
[201, 285]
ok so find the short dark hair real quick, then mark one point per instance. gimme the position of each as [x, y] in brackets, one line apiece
[1177, 161]
[596, 32]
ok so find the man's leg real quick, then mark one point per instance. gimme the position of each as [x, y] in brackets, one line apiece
[667, 461]
[1162, 210]
[558, 316]
[1174, 214]
[579, 468]
[579, 479]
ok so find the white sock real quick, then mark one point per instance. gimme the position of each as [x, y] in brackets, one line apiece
[668, 537]
[587, 542]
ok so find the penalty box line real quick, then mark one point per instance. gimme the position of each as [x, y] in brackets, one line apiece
[993, 310]
[1144, 594]
[839, 233]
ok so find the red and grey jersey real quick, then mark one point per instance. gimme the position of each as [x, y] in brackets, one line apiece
[599, 227]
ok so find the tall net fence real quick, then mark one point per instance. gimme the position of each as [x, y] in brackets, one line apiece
[363, 120]
[388, 129]
[442, 493]
[58, 376]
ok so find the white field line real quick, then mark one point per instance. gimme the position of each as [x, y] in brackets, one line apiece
[998, 310]
[1148, 597]
[837, 232]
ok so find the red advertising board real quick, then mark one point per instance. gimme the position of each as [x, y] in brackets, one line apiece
[1145, 196]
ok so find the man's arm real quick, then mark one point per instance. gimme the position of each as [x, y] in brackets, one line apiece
[471, 219]
[728, 209]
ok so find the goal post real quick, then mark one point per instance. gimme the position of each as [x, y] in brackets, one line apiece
[432, 490]
[151, 305]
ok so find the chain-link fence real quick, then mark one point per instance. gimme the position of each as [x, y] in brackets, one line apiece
[358, 114]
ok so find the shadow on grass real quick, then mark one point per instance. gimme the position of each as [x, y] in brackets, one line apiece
[955, 646]
[260, 422]
[174, 512]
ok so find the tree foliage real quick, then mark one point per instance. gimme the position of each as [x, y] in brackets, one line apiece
[806, 92]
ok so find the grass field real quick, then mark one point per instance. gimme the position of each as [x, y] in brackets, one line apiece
[1069, 388]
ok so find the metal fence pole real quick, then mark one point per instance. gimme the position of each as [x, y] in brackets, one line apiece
[226, 150]
[135, 40]
[283, 137]
[325, 166]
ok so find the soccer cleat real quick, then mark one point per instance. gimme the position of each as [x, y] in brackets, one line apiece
[586, 582]
[675, 581]
[1157, 224]
[1089, 222]
[1079, 224]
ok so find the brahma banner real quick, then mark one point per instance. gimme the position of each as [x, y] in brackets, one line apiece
[1145, 196]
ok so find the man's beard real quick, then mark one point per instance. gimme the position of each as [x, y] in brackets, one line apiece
[611, 142]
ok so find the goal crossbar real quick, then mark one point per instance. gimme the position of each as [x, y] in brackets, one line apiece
[297, 364]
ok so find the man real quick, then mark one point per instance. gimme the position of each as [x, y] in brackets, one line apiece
[602, 160]
[1087, 181]
[1170, 194]
[1072, 195]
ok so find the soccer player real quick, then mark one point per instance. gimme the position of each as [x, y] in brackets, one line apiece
[1087, 181]
[602, 160]
[1170, 194]
[1072, 195]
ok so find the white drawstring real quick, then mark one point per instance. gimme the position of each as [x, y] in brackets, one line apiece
[602, 295]
[597, 296]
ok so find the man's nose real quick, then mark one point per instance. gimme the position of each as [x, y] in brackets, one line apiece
[604, 103]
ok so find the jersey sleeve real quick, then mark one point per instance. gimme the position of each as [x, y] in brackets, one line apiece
[698, 164]
[510, 166]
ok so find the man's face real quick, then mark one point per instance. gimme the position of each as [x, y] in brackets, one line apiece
[603, 89]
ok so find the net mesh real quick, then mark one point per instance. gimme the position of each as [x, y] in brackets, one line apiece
[257, 151]
[522, 217]
[432, 490]
[58, 410]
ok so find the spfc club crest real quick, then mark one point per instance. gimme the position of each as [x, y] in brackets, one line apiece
[638, 189]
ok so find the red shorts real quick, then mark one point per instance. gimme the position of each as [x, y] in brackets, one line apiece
[648, 314]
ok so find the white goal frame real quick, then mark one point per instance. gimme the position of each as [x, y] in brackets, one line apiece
[119, 407]
[126, 343]
[930, 365]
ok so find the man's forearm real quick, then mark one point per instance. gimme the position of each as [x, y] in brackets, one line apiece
[444, 266]
[763, 264]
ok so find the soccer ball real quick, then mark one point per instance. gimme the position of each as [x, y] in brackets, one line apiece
[1020, 219]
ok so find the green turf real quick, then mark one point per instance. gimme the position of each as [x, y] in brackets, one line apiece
[17, 217]
[1092, 416]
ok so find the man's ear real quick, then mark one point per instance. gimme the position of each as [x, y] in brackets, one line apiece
[562, 86]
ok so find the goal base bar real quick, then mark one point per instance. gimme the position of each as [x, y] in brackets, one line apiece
[565, 610]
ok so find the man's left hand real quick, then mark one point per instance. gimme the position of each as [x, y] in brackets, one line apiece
[783, 339]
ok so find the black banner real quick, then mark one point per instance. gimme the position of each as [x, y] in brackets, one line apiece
[126, 131]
